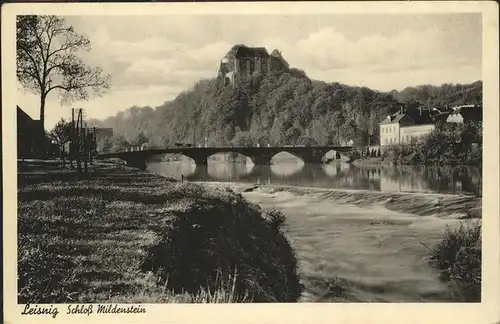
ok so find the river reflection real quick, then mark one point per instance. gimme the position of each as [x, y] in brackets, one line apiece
[337, 175]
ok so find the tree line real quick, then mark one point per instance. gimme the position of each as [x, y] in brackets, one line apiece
[282, 108]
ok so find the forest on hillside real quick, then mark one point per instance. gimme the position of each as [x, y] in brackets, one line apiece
[284, 108]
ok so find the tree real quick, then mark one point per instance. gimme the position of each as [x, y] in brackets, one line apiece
[47, 60]
[119, 143]
[243, 139]
[306, 141]
[140, 139]
[61, 134]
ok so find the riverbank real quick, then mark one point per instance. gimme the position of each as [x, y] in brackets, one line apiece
[366, 246]
[371, 162]
[386, 161]
[124, 235]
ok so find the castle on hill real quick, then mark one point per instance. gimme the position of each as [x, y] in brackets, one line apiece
[243, 61]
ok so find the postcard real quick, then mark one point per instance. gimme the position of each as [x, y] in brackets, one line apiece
[274, 162]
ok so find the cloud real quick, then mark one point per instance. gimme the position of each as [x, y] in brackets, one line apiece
[154, 61]
[329, 49]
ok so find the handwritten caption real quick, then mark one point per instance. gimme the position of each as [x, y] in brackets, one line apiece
[83, 309]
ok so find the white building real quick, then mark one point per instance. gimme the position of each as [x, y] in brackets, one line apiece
[399, 128]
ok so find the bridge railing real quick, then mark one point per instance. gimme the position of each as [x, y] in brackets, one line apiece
[135, 148]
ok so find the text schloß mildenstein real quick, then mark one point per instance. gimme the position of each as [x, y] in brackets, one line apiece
[83, 309]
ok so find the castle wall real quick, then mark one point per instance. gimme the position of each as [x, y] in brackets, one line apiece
[234, 68]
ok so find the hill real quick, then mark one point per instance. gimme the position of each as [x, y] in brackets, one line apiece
[282, 108]
[431, 96]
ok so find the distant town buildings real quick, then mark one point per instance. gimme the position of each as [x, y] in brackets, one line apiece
[401, 128]
[101, 136]
[102, 133]
[243, 61]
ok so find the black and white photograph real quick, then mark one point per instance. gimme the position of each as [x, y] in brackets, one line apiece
[248, 158]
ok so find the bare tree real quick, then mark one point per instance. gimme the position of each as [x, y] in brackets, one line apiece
[47, 59]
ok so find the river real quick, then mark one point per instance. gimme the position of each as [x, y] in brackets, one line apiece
[287, 170]
[375, 250]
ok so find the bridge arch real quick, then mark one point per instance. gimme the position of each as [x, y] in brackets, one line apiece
[287, 154]
[335, 155]
[309, 155]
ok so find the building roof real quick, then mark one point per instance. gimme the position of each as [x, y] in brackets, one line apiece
[394, 118]
[22, 114]
[469, 112]
[277, 54]
[455, 108]
[245, 51]
[441, 116]
[101, 131]
[423, 116]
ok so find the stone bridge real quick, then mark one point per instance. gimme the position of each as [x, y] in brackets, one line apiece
[258, 155]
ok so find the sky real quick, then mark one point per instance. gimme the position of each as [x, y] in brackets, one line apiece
[153, 58]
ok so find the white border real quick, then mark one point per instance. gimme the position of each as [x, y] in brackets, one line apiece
[485, 312]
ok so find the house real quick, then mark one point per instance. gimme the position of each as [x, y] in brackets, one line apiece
[242, 61]
[102, 133]
[401, 127]
[28, 135]
[465, 113]
[101, 136]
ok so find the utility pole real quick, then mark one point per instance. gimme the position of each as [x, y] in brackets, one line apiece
[73, 139]
[85, 148]
[94, 147]
[194, 136]
[79, 142]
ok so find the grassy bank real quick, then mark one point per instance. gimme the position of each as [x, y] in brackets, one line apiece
[127, 236]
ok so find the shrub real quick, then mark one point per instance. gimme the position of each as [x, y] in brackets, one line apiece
[458, 257]
[276, 218]
[222, 238]
[335, 288]
[354, 155]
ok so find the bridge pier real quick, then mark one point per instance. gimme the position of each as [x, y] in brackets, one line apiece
[199, 159]
[311, 156]
[199, 155]
[261, 159]
[201, 171]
